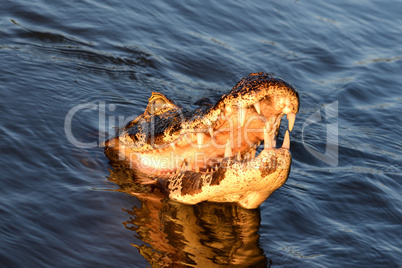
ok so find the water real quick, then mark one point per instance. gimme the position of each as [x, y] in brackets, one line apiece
[58, 202]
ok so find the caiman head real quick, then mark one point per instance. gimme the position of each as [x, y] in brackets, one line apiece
[210, 153]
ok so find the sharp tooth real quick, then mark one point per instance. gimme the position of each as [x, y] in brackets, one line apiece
[257, 107]
[185, 165]
[291, 120]
[267, 140]
[228, 150]
[211, 131]
[238, 157]
[173, 146]
[286, 141]
[216, 167]
[242, 115]
[253, 152]
[268, 127]
[200, 139]
[197, 169]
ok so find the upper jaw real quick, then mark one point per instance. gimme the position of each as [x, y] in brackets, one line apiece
[259, 96]
[233, 128]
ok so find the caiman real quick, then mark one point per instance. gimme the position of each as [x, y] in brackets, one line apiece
[210, 153]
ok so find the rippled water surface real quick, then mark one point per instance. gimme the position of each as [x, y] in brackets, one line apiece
[341, 206]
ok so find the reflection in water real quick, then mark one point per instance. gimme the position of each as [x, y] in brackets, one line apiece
[205, 235]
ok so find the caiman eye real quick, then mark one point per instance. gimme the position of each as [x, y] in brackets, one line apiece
[155, 105]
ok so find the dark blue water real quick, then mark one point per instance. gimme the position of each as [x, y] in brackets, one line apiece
[61, 204]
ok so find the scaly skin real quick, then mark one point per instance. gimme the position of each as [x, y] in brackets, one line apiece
[209, 154]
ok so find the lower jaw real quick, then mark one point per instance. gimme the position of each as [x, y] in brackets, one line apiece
[248, 183]
[269, 160]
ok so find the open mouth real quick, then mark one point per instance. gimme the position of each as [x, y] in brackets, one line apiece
[233, 131]
[225, 152]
